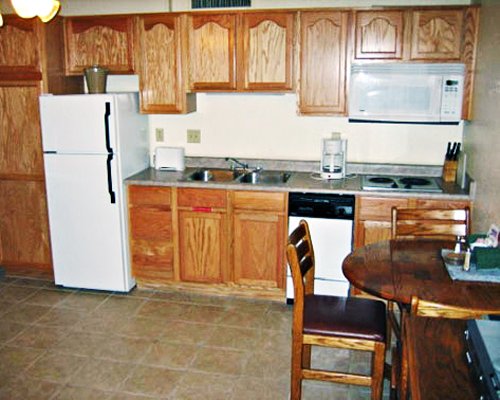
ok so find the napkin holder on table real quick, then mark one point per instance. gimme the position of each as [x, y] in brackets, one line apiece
[484, 257]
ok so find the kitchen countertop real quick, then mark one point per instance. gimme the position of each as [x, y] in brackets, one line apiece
[300, 181]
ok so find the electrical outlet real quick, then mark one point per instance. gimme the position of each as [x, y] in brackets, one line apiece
[160, 134]
[193, 136]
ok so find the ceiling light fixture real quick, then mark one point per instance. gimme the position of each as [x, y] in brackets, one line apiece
[43, 9]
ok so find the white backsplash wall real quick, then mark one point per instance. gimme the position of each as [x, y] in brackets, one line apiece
[267, 126]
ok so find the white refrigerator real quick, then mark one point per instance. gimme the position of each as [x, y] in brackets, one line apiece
[91, 143]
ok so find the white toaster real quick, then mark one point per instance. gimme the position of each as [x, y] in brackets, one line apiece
[169, 158]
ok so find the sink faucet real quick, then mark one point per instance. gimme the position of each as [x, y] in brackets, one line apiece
[234, 161]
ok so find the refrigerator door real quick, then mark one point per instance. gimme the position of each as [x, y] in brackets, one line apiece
[87, 228]
[78, 124]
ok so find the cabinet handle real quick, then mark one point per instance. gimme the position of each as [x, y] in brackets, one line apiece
[202, 209]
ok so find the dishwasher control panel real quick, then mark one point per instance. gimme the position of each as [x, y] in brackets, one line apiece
[321, 205]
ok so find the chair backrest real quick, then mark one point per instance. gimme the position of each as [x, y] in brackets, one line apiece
[424, 308]
[430, 223]
[300, 255]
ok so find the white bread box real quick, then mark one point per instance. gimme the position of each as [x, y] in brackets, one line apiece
[169, 158]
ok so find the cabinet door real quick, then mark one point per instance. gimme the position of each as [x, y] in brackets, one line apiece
[259, 246]
[436, 34]
[379, 34]
[371, 231]
[19, 49]
[20, 137]
[202, 246]
[24, 227]
[159, 55]
[151, 243]
[323, 62]
[267, 49]
[105, 41]
[212, 51]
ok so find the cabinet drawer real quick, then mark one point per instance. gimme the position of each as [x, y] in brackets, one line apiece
[149, 195]
[378, 208]
[447, 204]
[201, 198]
[150, 223]
[262, 201]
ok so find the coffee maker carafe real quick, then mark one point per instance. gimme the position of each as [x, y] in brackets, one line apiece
[333, 158]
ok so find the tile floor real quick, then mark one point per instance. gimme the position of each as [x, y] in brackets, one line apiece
[73, 344]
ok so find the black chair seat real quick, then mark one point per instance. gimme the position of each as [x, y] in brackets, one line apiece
[347, 317]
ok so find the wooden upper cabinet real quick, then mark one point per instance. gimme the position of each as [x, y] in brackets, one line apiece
[104, 40]
[212, 51]
[323, 62]
[379, 34]
[20, 137]
[160, 41]
[20, 61]
[267, 51]
[436, 34]
[241, 51]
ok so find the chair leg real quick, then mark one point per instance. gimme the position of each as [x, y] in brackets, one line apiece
[390, 307]
[296, 372]
[395, 373]
[378, 364]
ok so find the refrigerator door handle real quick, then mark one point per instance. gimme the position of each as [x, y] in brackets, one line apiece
[107, 113]
[111, 192]
[110, 179]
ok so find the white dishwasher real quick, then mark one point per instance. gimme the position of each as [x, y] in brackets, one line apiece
[330, 218]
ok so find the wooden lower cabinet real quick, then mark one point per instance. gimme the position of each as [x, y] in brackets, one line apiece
[373, 215]
[24, 228]
[151, 237]
[259, 237]
[373, 218]
[226, 240]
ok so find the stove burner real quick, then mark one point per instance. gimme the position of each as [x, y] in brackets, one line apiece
[415, 181]
[381, 179]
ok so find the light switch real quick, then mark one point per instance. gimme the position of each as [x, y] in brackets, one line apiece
[160, 134]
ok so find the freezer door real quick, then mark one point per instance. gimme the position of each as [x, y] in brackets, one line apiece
[87, 229]
[77, 124]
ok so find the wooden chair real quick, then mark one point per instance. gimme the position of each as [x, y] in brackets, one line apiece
[341, 322]
[429, 309]
[435, 349]
[429, 223]
[410, 223]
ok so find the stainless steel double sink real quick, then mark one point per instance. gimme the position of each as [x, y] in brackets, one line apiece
[238, 176]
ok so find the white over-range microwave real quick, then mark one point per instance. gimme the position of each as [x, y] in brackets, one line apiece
[406, 92]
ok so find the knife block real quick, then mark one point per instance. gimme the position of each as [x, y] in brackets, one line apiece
[450, 170]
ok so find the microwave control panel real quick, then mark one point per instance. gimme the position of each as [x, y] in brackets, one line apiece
[451, 104]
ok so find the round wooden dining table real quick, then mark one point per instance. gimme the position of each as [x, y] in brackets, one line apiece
[396, 270]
